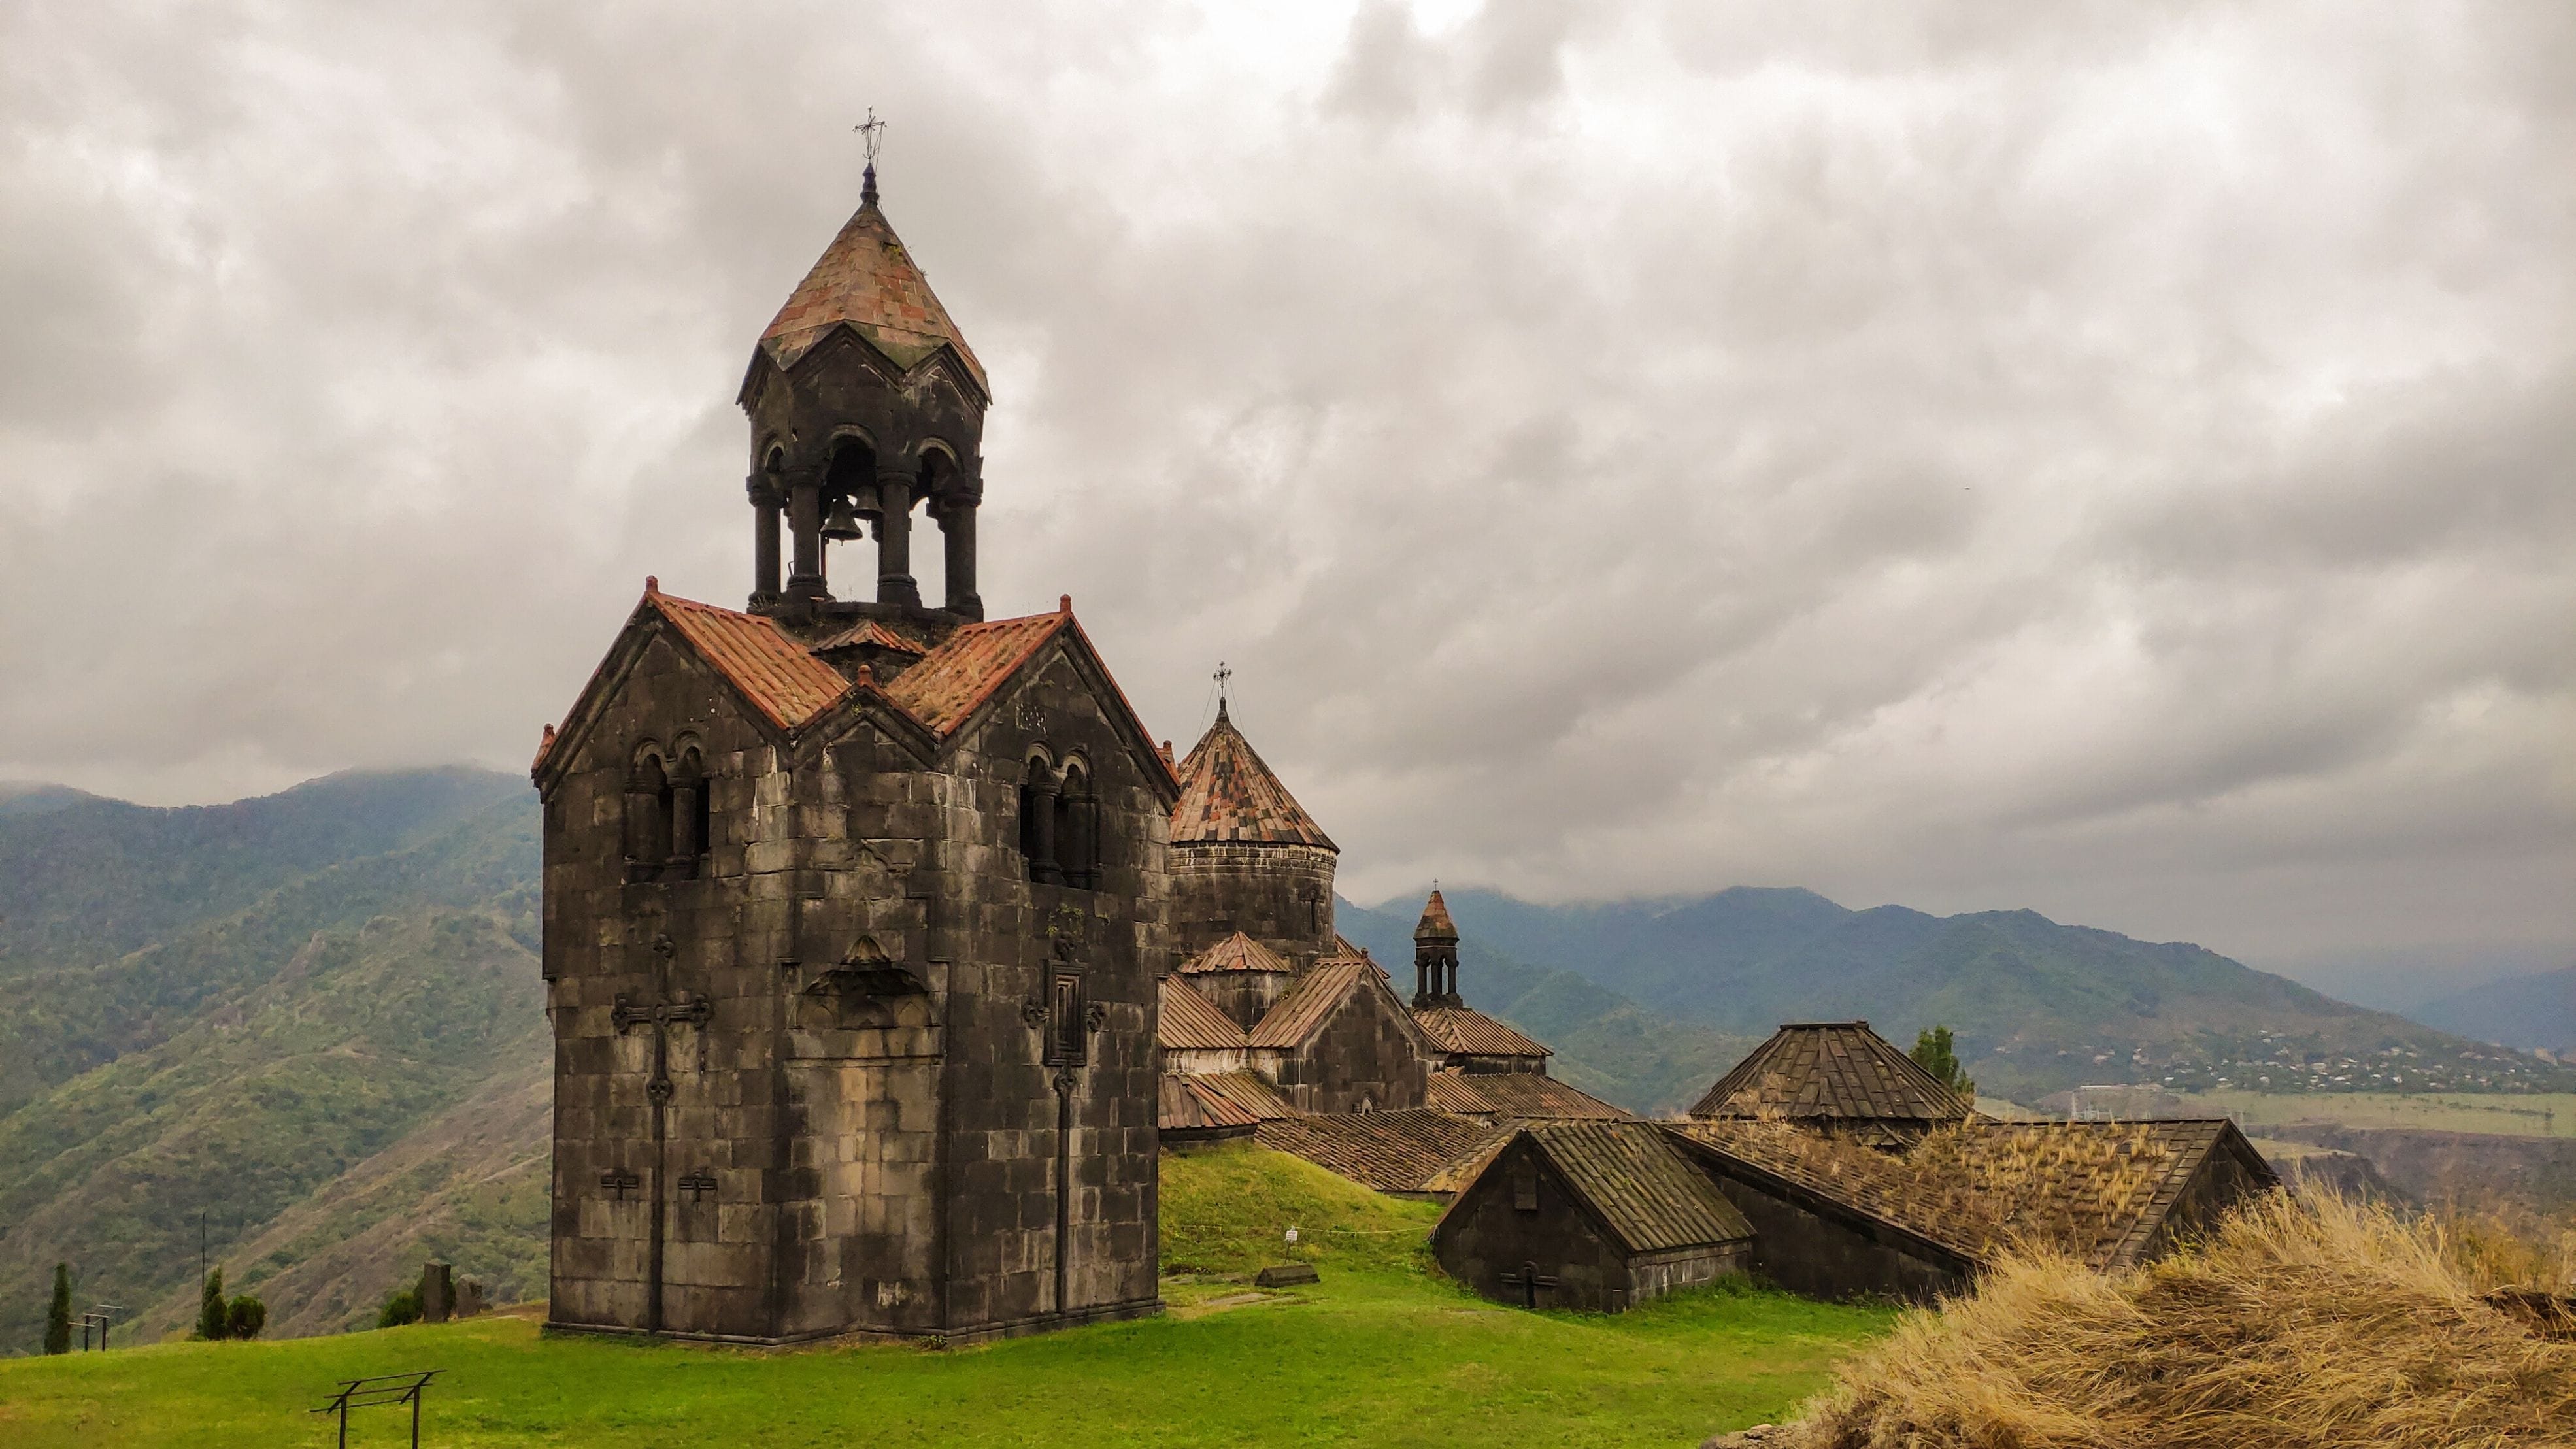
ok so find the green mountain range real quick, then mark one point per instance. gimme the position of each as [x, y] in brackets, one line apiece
[2038, 1006]
[311, 1026]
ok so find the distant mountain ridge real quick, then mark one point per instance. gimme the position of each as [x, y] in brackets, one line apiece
[2038, 1006]
[2526, 1012]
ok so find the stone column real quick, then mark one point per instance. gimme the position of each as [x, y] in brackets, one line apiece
[765, 504]
[805, 523]
[1043, 790]
[957, 529]
[895, 583]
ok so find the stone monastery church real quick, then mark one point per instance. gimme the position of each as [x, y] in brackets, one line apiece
[883, 943]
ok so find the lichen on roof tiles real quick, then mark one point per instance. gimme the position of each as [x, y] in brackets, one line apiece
[1402, 1151]
[1188, 1021]
[1633, 1176]
[968, 666]
[1229, 795]
[1516, 1096]
[1309, 1003]
[1237, 952]
[867, 280]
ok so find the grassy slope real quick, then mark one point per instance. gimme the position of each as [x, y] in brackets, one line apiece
[1379, 1353]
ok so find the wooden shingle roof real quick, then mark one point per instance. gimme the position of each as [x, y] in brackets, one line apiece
[1188, 1021]
[1640, 1185]
[1414, 1150]
[1830, 1069]
[1516, 1096]
[1229, 796]
[1237, 952]
[2096, 1191]
[867, 280]
[1471, 1032]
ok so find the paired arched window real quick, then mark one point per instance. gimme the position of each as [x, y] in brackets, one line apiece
[1059, 824]
[669, 818]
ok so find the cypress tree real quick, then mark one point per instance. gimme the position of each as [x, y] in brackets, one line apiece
[58, 1319]
[1936, 1052]
[212, 1315]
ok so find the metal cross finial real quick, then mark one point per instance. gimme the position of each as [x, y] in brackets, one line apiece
[1223, 675]
[872, 135]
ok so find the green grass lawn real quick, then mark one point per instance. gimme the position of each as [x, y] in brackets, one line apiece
[1379, 1353]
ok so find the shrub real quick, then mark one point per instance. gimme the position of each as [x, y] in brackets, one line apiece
[245, 1317]
[1936, 1052]
[2302, 1323]
[58, 1318]
[402, 1307]
[212, 1313]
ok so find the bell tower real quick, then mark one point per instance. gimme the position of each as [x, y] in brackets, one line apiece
[1435, 956]
[866, 407]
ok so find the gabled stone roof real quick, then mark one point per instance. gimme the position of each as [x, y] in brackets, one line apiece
[1216, 1100]
[1516, 1096]
[2096, 1191]
[1837, 1070]
[1188, 1021]
[951, 680]
[1228, 795]
[867, 280]
[1310, 1003]
[1413, 1150]
[1639, 1184]
[1470, 1032]
[1237, 952]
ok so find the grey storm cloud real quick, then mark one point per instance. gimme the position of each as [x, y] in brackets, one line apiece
[2118, 460]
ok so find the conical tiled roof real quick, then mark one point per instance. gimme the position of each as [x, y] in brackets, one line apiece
[867, 279]
[1836, 1070]
[1435, 924]
[1229, 795]
[1237, 952]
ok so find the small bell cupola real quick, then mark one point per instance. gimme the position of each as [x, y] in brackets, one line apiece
[1435, 956]
[867, 408]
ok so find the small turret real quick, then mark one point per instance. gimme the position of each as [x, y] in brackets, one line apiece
[1435, 956]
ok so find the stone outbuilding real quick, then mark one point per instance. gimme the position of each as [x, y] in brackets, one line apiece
[854, 907]
[1834, 1217]
[1834, 1076]
[1598, 1216]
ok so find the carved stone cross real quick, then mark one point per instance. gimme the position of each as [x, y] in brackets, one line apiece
[620, 1183]
[697, 1185]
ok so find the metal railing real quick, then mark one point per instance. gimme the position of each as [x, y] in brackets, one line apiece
[381, 1389]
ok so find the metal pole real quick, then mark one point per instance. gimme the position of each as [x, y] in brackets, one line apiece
[415, 1412]
[344, 1421]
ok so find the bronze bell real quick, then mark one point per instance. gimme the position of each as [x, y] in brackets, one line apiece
[842, 525]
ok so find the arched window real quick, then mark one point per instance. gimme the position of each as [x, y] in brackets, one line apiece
[1040, 790]
[689, 814]
[648, 815]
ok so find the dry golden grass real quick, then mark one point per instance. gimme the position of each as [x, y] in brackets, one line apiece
[2302, 1324]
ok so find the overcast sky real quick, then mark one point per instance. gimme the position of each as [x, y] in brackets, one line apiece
[2117, 460]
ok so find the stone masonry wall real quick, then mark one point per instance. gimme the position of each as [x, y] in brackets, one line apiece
[1279, 895]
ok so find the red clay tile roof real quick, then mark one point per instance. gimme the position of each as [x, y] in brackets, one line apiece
[2096, 1191]
[1435, 924]
[951, 680]
[1830, 1069]
[1467, 1030]
[772, 670]
[1229, 795]
[1219, 1100]
[1630, 1173]
[1414, 1150]
[1516, 1096]
[1190, 1022]
[1237, 952]
[867, 279]
[874, 632]
[1309, 1004]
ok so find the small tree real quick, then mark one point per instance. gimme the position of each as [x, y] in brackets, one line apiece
[58, 1318]
[1936, 1053]
[401, 1307]
[213, 1315]
[245, 1318]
